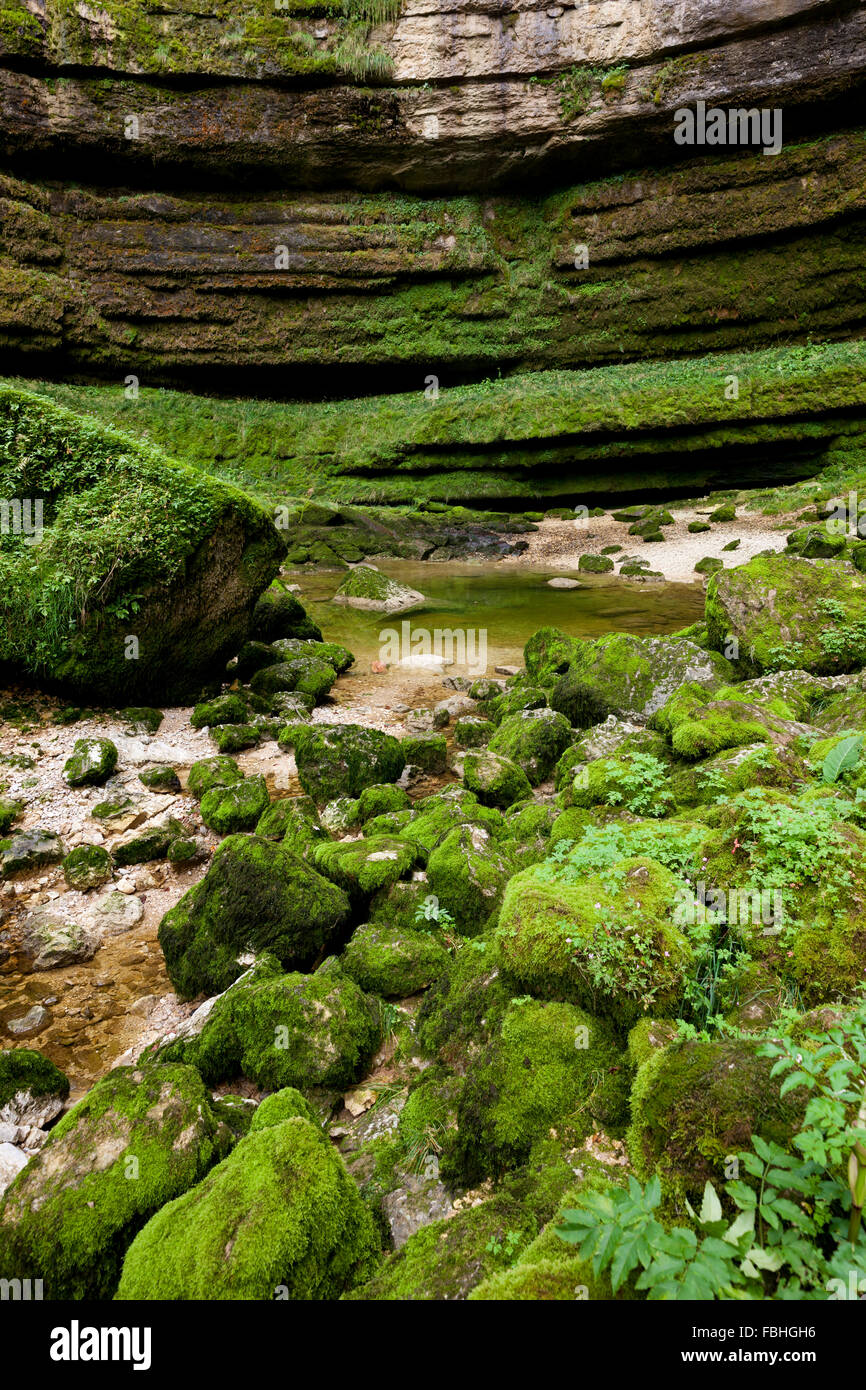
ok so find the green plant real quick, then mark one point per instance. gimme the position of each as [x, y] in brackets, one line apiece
[431, 911]
[640, 786]
[844, 756]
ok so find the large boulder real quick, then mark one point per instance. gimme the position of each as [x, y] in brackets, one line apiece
[365, 587]
[256, 896]
[785, 612]
[138, 1139]
[144, 573]
[279, 1218]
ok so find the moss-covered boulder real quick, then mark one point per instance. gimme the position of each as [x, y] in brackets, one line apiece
[551, 1065]
[366, 587]
[142, 719]
[226, 810]
[548, 654]
[234, 738]
[436, 816]
[392, 961]
[160, 778]
[294, 821]
[307, 675]
[468, 872]
[696, 1105]
[472, 732]
[87, 866]
[581, 703]
[223, 709]
[283, 1105]
[208, 773]
[256, 896]
[29, 849]
[787, 612]
[344, 759]
[285, 1030]
[401, 905]
[279, 1218]
[139, 1138]
[380, 801]
[535, 739]
[133, 544]
[635, 675]
[608, 942]
[32, 1088]
[10, 810]
[92, 762]
[365, 865]
[495, 780]
[291, 648]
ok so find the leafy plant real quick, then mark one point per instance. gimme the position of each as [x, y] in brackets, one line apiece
[842, 757]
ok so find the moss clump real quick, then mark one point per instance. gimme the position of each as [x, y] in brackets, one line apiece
[292, 648]
[466, 1005]
[427, 751]
[138, 1139]
[552, 1064]
[225, 709]
[548, 654]
[234, 738]
[226, 810]
[467, 872]
[92, 762]
[345, 759]
[285, 1030]
[363, 866]
[472, 732]
[495, 780]
[608, 943]
[436, 816]
[10, 810]
[142, 719]
[280, 1217]
[87, 866]
[283, 1105]
[22, 1069]
[256, 896]
[160, 778]
[208, 773]
[697, 1104]
[293, 819]
[379, 800]
[535, 739]
[398, 906]
[393, 962]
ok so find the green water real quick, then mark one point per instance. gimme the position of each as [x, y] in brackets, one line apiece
[507, 603]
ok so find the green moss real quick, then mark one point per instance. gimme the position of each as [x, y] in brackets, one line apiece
[534, 739]
[256, 896]
[87, 866]
[92, 762]
[209, 773]
[283, 1105]
[467, 872]
[285, 1030]
[427, 751]
[551, 1065]
[608, 943]
[138, 1139]
[342, 760]
[495, 780]
[226, 810]
[160, 778]
[225, 709]
[279, 1218]
[24, 1070]
[378, 800]
[697, 1104]
[363, 866]
[393, 962]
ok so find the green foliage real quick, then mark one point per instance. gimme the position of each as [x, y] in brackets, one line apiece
[844, 756]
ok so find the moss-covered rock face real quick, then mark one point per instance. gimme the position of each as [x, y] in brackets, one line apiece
[380, 801]
[534, 739]
[608, 943]
[468, 872]
[344, 759]
[256, 896]
[296, 648]
[716, 779]
[28, 850]
[436, 816]
[160, 778]
[697, 1104]
[305, 674]
[363, 866]
[472, 732]
[283, 1105]
[495, 780]
[633, 779]
[208, 773]
[131, 541]
[787, 612]
[392, 961]
[466, 1004]
[285, 1030]
[32, 1088]
[92, 762]
[400, 905]
[293, 820]
[138, 1139]
[87, 866]
[237, 807]
[581, 703]
[552, 1064]
[279, 1218]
